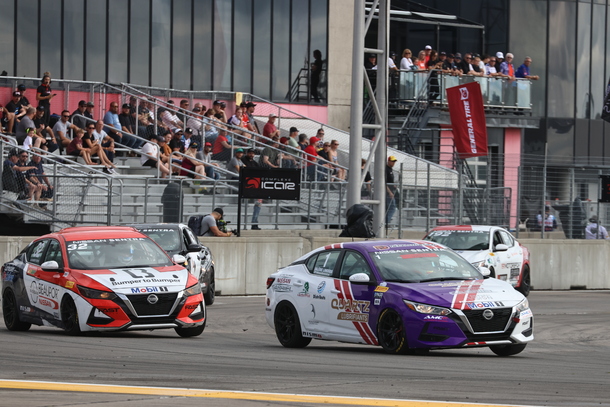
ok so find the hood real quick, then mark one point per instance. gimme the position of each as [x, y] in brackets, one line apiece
[473, 256]
[142, 280]
[467, 294]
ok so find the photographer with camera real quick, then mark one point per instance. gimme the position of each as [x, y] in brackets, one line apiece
[214, 225]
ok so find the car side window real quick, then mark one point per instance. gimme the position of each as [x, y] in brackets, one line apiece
[54, 253]
[354, 263]
[324, 263]
[507, 238]
[36, 251]
[497, 239]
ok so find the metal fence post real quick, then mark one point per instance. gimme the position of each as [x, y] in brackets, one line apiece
[400, 196]
[428, 197]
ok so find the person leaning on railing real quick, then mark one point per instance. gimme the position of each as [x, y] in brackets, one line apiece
[190, 163]
[150, 156]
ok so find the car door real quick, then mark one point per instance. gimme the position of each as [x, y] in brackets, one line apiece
[42, 293]
[351, 303]
[51, 283]
[313, 293]
[501, 258]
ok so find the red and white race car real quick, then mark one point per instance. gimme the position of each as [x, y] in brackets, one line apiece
[488, 246]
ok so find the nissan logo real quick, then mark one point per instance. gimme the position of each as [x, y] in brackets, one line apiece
[487, 314]
[152, 299]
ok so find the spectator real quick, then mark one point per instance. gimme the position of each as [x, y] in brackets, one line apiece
[371, 62]
[89, 110]
[187, 138]
[293, 138]
[320, 135]
[325, 154]
[270, 129]
[286, 159]
[499, 59]
[12, 175]
[392, 68]
[248, 117]
[61, 129]
[207, 162]
[303, 141]
[45, 131]
[311, 155]
[170, 118]
[250, 162]
[479, 62]
[550, 223]
[433, 65]
[190, 163]
[76, 148]
[37, 175]
[222, 149]
[211, 129]
[150, 156]
[33, 140]
[209, 224]
[427, 52]
[78, 121]
[24, 100]
[103, 139]
[165, 151]
[269, 155]
[316, 71]
[421, 60]
[7, 119]
[449, 65]
[33, 187]
[27, 122]
[491, 69]
[507, 67]
[406, 62]
[114, 127]
[367, 191]
[128, 124]
[334, 158]
[219, 109]
[183, 112]
[44, 95]
[468, 67]
[236, 163]
[176, 143]
[237, 121]
[390, 189]
[195, 122]
[594, 230]
[16, 107]
[458, 63]
[96, 141]
[524, 70]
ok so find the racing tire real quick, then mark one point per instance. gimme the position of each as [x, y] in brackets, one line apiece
[391, 333]
[69, 316]
[507, 350]
[10, 311]
[194, 331]
[526, 283]
[210, 294]
[288, 326]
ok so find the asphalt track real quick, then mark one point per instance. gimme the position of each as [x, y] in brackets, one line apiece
[237, 361]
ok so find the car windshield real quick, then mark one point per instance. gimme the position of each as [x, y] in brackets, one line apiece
[168, 239]
[115, 253]
[420, 265]
[461, 239]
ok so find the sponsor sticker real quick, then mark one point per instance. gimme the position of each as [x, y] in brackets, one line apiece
[305, 291]
[69, 284]
[141, 290]
[311, 335]
[435, 318]
[526, 314]
[381, 289]
[353, 316]
[321, 287]
[282, 288]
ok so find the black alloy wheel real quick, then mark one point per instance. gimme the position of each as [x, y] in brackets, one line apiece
[288, 326]
[10, 310]
[391, 332]
[69, 316]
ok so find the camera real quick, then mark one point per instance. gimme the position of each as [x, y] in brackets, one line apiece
[222, 225]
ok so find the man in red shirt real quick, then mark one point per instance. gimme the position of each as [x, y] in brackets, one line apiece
[311, 154]
[270, 129]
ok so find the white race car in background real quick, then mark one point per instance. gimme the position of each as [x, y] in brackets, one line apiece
[488, 246]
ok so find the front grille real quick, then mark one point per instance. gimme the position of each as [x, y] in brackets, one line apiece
[498, 323]
[162, 307]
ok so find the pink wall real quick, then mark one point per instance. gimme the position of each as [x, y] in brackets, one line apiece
[512, 154]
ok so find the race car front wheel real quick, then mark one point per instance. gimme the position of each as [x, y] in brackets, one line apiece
[391, 332]
[69, 316]
[10, 310]
[210, 294]
[288, 326]
[190, 332]
[507, 350]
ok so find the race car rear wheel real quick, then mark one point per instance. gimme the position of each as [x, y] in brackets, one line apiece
[507, 350]
[526, 283]
[69, 316]
[210, 294]
[10, 310]
[288, 326]
[391, 332]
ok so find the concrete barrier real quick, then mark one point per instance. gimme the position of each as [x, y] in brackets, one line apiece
[243, 264]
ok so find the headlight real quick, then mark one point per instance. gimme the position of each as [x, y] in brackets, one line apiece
[96, 294]
[192, 290]
[523, 306]
[427, 309]
[478, 264]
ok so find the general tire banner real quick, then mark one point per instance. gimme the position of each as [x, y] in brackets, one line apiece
[468, 119]
[262, 183]
[606, 108]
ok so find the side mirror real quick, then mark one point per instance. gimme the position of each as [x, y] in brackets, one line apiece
[485, 271]
[51, 265]
[193, 248]
[179, 259]
[501, 248]
[359, 278]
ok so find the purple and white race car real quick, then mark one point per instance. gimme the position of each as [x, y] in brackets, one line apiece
[406, 296]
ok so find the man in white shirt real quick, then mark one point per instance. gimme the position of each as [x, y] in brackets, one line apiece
[150, 156]
[61, 128]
